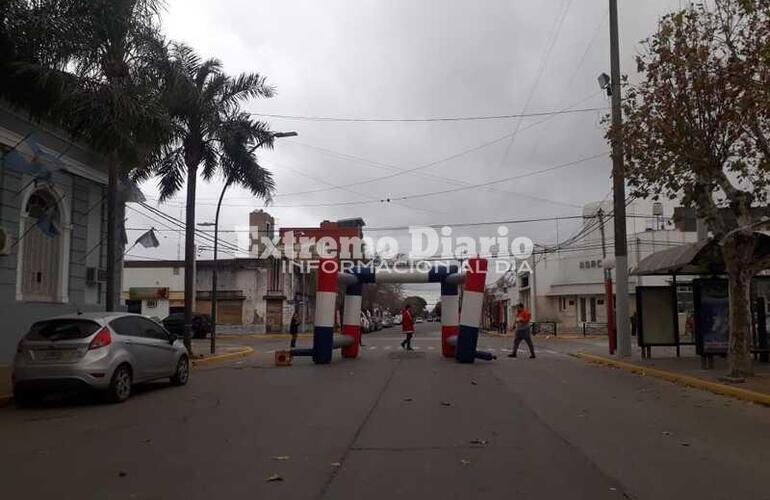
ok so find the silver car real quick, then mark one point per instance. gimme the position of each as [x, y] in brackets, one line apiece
[108, 352]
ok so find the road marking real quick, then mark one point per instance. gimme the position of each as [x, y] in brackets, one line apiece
[270, 352]
[431, 348]
[387, 347]
[372, 348]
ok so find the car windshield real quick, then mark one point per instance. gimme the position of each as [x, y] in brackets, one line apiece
[62, 329]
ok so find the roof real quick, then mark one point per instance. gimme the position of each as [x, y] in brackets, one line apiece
[702, 257]
[143, 264]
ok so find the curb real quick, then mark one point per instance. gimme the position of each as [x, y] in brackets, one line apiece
[260, 336]
[697, 383]
[241, 353]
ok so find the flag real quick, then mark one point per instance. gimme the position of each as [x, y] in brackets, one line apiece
[148, 240]
[130, 191]
[47, 225]
[28, 157]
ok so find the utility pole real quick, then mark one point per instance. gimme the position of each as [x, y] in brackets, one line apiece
[619, 190]
[609, 300]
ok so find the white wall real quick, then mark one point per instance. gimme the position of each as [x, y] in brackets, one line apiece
[136, 277]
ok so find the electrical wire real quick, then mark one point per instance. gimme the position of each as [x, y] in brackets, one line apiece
[428, 120]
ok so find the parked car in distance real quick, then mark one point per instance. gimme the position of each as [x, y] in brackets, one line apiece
[201, 325]
[419, 320]
[387, 322]
[366, 326]
[107, 351]
[397, 319]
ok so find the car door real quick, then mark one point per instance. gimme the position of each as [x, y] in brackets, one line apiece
[130, 331]
[159, 351]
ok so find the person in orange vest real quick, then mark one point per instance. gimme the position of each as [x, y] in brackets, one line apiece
[407, 327]
[523, 317]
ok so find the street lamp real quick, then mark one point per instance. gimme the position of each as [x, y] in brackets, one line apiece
[274, 135]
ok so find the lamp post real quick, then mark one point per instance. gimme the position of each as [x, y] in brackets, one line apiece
[275, 135]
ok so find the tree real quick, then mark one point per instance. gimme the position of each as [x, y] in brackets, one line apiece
[697, 127]
[419, 305]
[210, 131]
[385, 296]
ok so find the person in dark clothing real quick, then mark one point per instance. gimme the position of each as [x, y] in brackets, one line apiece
[294, 329]
[523, 331]
[407, 327]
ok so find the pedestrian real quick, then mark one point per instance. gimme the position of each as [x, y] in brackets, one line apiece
[294, 329]
[523, 331]
[407, 327]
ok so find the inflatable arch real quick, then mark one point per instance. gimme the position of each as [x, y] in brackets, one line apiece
[459, 325]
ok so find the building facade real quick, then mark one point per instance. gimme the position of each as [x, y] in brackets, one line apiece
[245, 291]
[566, 285]
[52, 227]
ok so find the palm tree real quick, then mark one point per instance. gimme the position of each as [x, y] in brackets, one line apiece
[211, 132]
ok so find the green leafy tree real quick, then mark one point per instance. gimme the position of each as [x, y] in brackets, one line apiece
[211, 137]
[697, 127]
[419, 305]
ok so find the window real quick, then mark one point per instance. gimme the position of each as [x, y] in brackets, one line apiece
[127, 326]
[582, 265]
[562, 303]
[593, 264]
[43, 268]
[176, 271]
[600, 302]
[151, 330]
[152, 304]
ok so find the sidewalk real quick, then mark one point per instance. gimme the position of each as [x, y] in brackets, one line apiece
[202, 353]
[685, 370]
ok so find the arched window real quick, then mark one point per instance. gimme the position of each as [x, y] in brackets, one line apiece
[42, 241]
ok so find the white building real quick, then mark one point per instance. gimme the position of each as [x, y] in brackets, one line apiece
[567, 284]
[252, 293]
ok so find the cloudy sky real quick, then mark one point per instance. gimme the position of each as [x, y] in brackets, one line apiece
[413, 59]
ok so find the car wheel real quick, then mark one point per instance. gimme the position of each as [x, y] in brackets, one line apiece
[120, 385]
[182, 374]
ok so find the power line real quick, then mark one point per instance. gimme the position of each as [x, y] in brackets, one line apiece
[427, 120]
[434, 193]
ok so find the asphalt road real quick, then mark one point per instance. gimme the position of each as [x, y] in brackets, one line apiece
[391, 424]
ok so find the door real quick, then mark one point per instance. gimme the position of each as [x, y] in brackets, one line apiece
[148, 343]
[230, 312]
[156, 346]
[274, 319]
[593, 309]
[582, 315]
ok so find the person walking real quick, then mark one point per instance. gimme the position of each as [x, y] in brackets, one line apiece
[294, 329]
[523, 331]
[407, 327]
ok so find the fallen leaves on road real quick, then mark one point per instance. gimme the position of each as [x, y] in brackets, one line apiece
[335, 464]
[473, 382]
[274, 478]
[408, 400]
[446, 403]
[122, 474]
[479, 441]
[465, 462]
[685, 444]
[666, 433]
[282, 458]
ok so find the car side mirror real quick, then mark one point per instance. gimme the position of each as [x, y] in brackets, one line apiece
[172, 338]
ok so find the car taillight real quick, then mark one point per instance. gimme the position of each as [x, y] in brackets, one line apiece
[102, 339]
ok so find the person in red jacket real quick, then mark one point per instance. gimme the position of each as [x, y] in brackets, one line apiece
[407, 327]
